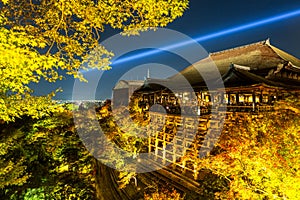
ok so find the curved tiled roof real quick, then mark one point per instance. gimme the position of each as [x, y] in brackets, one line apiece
[127, 83]
[239, 77]
[260, 57]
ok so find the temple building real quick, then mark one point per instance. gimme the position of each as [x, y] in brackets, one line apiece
[123, 90]
[254, 76]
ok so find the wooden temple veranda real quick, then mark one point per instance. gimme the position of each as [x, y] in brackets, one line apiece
[255, 76]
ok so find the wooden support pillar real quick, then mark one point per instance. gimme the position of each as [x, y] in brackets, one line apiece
[261, 97]
[195, 172]
[149, 145]
[164, 148]
[160, 97]
[183, 166]
[156, 144]
[222, 98]
[237, 98]
[174, 153]
[212, 98]
[184, 146]
[253, 101]
[149, 131]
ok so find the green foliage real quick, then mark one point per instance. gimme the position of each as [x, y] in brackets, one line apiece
[12, 159]
[34, 194]
[44, 159]
[261, 159]
[125, 178]
[48, 39]
[123, 132]
[119, 131]
[20, 65]
[14, 107]
[163, 192]
[40, 155]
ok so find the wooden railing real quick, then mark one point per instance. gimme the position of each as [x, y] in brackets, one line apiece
[262, 108]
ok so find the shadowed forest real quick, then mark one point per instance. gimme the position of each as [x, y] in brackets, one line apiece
[45, 159]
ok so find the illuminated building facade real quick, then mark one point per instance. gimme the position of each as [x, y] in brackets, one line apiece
[255, 76]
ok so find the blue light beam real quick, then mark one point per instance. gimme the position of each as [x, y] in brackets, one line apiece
[211, 36]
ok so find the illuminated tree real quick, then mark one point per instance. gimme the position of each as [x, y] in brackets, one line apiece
[44, 159]
[12, 166]
[163, 192]
[261, 158]
[47, 39]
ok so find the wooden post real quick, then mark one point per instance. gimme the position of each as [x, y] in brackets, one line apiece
[228, 98]
[183, 166]
[149, 136]
[156, 144]
[149, 145]
[261, 97]
[195, 172]
[212, 98]
[174, 153]
[164, 148]
[253, 101]
[237, 98]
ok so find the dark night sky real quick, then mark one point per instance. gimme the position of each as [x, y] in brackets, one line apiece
[202, 18]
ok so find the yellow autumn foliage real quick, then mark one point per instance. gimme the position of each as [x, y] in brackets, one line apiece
[50, 38]
[260, 159]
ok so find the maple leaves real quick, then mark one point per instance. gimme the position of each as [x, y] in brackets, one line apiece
[260, 159]
[44, 158]
[42, 39]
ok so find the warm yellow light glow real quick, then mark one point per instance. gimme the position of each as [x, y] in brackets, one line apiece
[241, 98]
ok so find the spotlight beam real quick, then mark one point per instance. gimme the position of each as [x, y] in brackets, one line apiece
[212, 36]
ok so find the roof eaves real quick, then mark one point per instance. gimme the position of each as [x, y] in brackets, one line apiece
[284, 55]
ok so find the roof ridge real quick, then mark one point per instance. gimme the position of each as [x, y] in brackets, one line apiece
[130, 80]
[267, 41]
